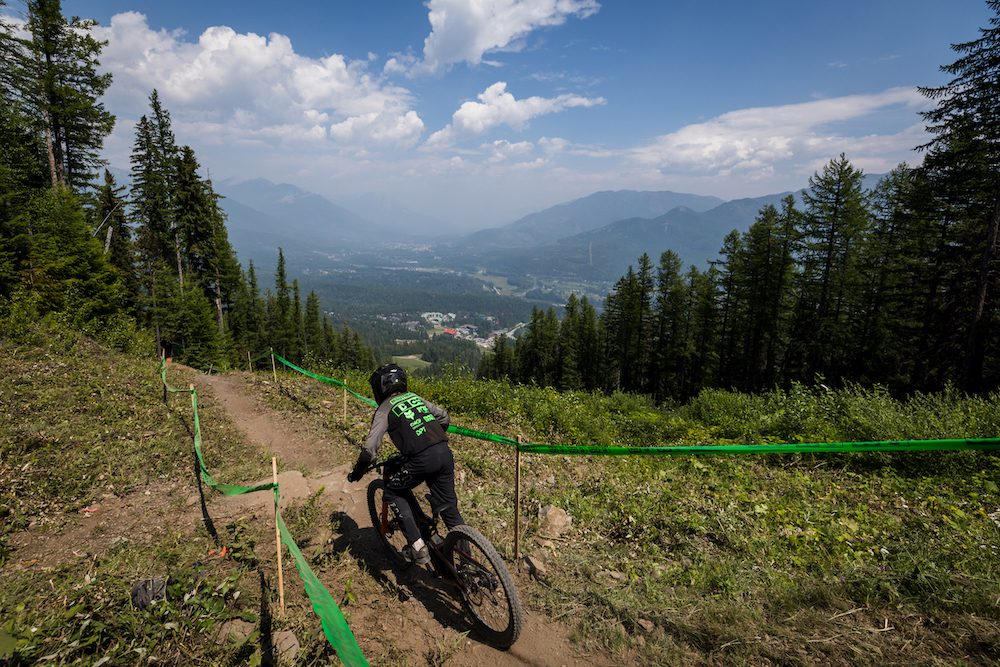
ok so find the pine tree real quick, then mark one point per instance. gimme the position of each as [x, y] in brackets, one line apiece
[736, 324]
[671, 312]
[109, 212]
[282, 325]
[22, 170]
[834, 222]
[967, 142]
[58, 64]
[766, 273]
[702, 331]
[313, 328]
[569, 344]
[297, 321]
[190, 214]
[628, 322]
[503, 361]
[63, 263]
[588, 336]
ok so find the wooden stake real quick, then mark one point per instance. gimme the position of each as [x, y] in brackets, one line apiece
[163, 363]
[277, 542]
[274, 369]
[249, 363]
[517, 501]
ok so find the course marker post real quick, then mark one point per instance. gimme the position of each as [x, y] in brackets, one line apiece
[274, 369]
[345, 402]
[517, 501]
[163, 365]
[249, 363]
[277, 540]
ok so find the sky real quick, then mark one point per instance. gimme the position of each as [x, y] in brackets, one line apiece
[477, 112]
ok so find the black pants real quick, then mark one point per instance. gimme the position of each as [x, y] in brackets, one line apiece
[435, 466]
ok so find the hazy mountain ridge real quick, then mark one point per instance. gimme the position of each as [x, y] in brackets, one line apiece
[603, 254]
[593, 238]
[584, 214]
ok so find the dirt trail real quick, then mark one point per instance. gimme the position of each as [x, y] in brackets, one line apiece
[424, 618]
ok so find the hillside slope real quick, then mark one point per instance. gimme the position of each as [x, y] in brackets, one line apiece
[96, 464]
[842, 559]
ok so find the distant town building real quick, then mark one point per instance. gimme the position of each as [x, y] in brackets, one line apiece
[436, 318]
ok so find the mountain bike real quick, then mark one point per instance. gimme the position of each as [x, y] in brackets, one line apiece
[463, 556]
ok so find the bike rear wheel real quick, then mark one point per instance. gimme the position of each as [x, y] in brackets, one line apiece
[487, 588]
[387, 526]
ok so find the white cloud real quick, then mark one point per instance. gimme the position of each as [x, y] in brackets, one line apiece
[465, 30]
[502, 150]
[229, 86]
[751, 142]
[497, 107]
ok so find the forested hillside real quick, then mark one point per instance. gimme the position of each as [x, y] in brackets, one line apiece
[897, 286]
[75, 244]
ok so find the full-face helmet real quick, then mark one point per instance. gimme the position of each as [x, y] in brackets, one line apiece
[386, 381]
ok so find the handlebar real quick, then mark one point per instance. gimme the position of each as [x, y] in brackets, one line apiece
[377, 466]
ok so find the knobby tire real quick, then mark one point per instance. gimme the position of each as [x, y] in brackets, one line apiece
[488, 591]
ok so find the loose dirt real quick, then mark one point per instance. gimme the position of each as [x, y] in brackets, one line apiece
[422, 620]
[408, 616]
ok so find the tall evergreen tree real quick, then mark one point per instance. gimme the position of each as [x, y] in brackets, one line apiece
[570, 376]
[58, 64]
[736, 325]
[312, 327]
[113, 227]
[282, 327]
[967, 141]
[834, 222]
[63, 263]
[298, 347]
[702, 330]
[671, 304]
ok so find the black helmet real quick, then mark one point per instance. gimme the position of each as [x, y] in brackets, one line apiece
[386, 381]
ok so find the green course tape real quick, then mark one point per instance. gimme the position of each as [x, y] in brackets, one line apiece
[492, 437]
[980, 444]
[163, 377]
[453, 429]
[206, 477]
[335, 627]
[262, 355]
[323, 378]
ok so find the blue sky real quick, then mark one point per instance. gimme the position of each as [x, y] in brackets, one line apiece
[479, 111]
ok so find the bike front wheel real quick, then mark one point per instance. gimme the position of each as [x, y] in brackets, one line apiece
[388, 527]
[487, 588]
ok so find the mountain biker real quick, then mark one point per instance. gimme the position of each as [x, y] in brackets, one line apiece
[418, 430]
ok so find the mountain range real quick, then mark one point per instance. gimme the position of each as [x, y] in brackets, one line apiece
[592, 239]
[603, 253]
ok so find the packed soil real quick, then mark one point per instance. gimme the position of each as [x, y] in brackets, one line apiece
[422, 618]
[405, 616]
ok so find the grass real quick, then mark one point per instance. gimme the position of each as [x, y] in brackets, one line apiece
[784, 559]
[840, 559]
[82, 425]
[411, 362]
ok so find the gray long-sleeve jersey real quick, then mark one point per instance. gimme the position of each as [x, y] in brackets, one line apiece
[413, 424]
